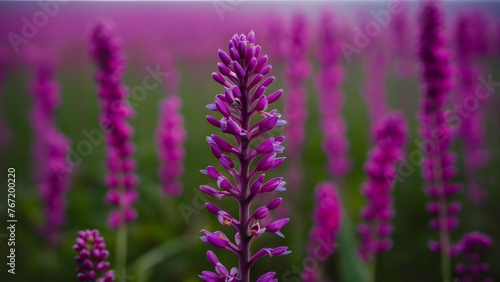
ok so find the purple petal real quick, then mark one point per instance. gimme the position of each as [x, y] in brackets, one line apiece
[276, 225]
[224, 57]
[266, 277]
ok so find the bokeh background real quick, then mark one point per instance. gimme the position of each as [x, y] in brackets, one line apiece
[162, 245]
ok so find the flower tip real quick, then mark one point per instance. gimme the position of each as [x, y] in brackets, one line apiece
[281, 122]
[213, 121]
[267, 277]
[277, 225]
[251, 37]
[211, 107]
[212, 258]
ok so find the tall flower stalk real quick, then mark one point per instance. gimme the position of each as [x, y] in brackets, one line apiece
[170, 136]
[50, 148]
[471, 130]
[115, 110]
[438, 165]
[243, 72]
[389, 134]
[373, 89]
[92, 257]
[327, 220]
[296, 72]
[335, 143]
[402, 34]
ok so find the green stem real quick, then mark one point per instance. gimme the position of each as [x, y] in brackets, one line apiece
[244, 201]
[298, 215]
[50, 259]
[445, 264]
[121, 249]
[444, 239]
[444, 235]
[372, 269]
[350, 266]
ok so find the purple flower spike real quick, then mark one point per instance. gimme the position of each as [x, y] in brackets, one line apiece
[472, 130]
[473, 248]
[297, 70]
[170, 136]
[50, 149]
[115, 110]
[92, 258]
[244, 116]
[390, 134]
[438, 165]
[335, 143]
[327, 219]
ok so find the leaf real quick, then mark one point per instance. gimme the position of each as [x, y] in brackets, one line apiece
[163, 252]
[352, 269]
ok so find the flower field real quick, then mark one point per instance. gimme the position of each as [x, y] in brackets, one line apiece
[249, 141]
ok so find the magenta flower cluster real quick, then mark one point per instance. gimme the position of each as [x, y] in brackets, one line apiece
[327, 220]
[335, 143]
[390, 134]
[243, 73]
[50, 149]
[115, 110]
[474, 247]
[438, 166]
[170, 136]
[92, 257]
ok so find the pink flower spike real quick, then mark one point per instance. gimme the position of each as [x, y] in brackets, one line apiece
[115, 112]
[245, 116]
